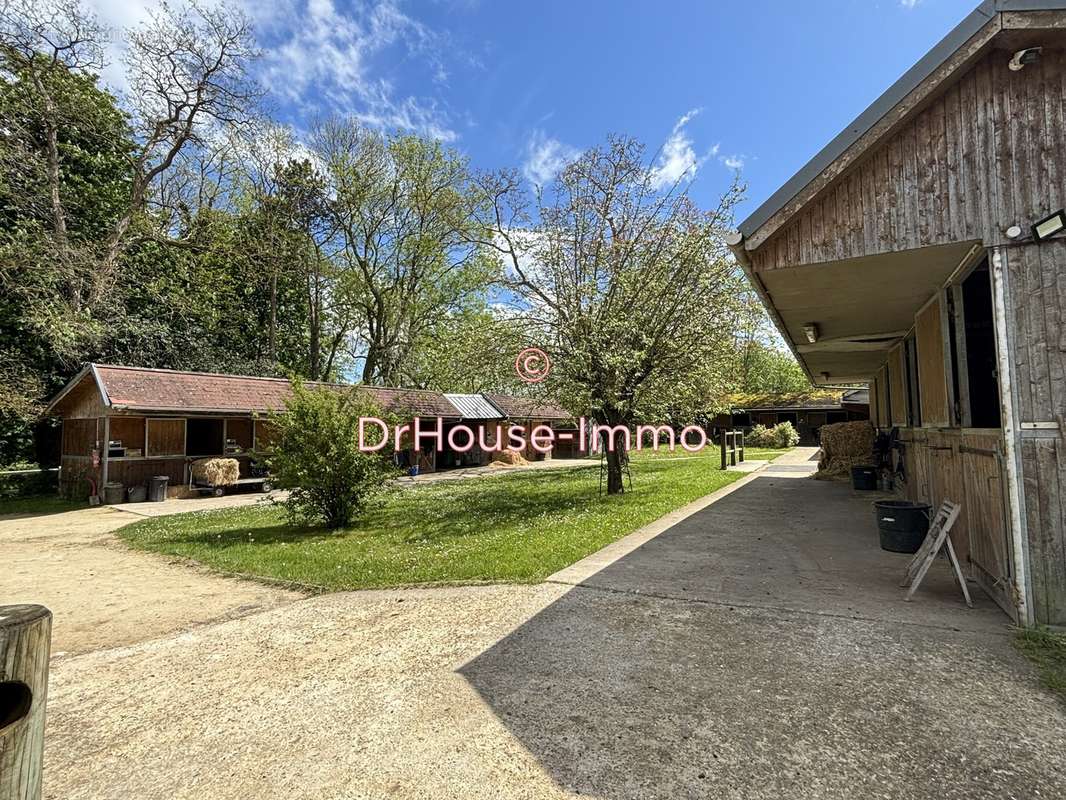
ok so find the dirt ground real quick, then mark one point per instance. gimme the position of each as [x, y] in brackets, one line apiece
[101, 593]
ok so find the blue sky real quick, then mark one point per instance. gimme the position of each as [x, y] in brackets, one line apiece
[758, 86]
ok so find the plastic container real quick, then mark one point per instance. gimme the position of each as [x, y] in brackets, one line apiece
[157, 488]
[412, 471]
[864, 478]
[114, 493]
[902, 525]
[137, 494]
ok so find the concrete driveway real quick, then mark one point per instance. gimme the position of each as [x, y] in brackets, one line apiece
[738, 654]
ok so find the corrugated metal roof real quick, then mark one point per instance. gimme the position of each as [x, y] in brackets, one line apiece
[474, 406]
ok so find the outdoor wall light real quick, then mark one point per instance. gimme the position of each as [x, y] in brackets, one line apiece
[810, 330]
[1014, 231]
[1029, 55]
[1049, 226]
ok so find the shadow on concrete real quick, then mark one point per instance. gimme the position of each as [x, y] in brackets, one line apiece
[759, 648]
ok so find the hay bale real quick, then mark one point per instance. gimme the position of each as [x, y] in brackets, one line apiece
[844, 445]
[216, 471]
[508, 458]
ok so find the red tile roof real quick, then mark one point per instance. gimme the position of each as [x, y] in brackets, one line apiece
[524, 408]
[173, 391]
[143, 389]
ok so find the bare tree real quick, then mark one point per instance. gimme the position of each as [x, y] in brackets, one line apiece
[188, 82]
[629, 284]
[188, 76]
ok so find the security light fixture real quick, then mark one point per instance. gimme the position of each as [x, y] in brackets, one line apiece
[810, 330]
[1050, 225]
[1029, 55]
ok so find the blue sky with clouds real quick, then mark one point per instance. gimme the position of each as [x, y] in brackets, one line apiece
[758, 86]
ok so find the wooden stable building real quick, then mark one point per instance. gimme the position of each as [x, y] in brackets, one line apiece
[127, 424]
[921, 251]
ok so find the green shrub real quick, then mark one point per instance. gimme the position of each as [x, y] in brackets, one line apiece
[28, 484]
[314, 453]
[781, 435]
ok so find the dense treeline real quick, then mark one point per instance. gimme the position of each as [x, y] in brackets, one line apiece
[177, 226]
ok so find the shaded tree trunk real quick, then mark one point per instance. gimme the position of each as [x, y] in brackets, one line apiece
[615, 484]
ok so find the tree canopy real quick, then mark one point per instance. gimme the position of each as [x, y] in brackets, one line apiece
[179, 226]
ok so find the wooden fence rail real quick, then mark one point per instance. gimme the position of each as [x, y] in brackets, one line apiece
[731, 445]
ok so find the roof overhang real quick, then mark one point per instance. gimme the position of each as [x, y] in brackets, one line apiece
[88, 369]
[872, 306]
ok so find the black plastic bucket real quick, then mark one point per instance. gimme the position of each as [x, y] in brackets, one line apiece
[864, 478]
[902, 525]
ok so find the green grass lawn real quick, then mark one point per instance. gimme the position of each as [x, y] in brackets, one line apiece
[515, 528]
[1047, 651]
[711, 452]
[39, 505]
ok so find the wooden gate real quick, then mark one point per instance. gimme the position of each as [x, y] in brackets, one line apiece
[966, 467]
[989, 528]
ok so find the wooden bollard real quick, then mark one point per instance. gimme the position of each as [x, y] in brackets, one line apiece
[25, 643]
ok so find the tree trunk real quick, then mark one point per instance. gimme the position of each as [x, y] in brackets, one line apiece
[615, 484]
[272, 333]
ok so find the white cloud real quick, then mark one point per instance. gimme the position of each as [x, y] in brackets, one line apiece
[677, 158]
[118, 15]
[733, 162]
[323, 59]
[909, 3]
[320, 58]
[545, 157]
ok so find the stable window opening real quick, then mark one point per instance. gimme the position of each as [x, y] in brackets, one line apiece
[204, 437]
[974, 369]
[914, 395]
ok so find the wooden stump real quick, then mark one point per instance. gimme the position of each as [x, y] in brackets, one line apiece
[25, 643]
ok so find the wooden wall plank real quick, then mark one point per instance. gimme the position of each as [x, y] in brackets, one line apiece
[897, 385]
[932, 377]
[166, 437]
[986, 154]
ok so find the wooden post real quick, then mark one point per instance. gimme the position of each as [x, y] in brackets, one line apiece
[724, 434]
[741, 435]
[25, 644]
[105, 454]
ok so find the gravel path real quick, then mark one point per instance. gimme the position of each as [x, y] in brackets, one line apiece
[101, 593]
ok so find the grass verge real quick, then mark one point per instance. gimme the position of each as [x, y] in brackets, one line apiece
[1047, 651]
[513, 528]
[712, 453]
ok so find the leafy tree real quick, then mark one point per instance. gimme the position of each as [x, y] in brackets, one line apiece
[407, 212]
[471, 350]
[765, 368]
[315, 454]
[629, 285]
